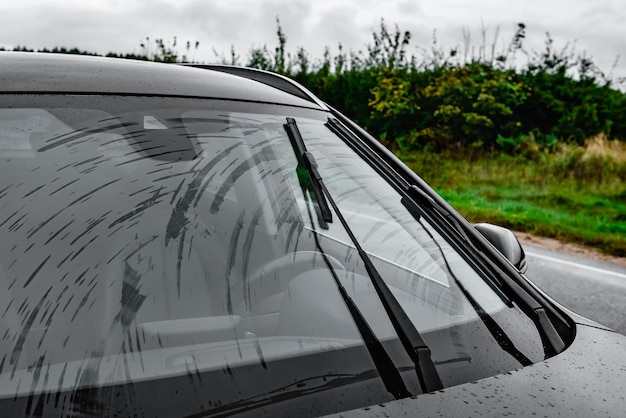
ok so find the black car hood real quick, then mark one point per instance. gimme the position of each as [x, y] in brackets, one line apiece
[585, 380]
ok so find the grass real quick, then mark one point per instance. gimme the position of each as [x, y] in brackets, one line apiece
[574, 194]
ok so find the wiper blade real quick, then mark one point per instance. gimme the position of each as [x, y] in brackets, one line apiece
[409, 336]
[308, 176]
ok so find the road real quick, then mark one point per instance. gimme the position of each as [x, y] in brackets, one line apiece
[591, 288]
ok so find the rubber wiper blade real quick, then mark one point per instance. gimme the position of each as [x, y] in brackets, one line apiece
[308, 176]
[409, 336]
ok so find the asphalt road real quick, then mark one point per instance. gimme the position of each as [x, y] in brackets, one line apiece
[591, 288]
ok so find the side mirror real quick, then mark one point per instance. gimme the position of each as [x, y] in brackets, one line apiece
[506, 242]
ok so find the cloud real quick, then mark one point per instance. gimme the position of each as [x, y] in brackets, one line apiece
[120, 25]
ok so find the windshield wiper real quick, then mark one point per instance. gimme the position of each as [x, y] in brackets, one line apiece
[409, 336]
[387, 371]
[552, 341]
[545, 317]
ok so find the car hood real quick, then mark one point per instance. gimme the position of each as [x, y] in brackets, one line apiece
[585, 380]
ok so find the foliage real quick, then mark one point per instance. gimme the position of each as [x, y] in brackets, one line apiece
[263, 59]
[467, 106]
[162, 51]
[157, 50]
[477, 100]
[472, 98]
[600, 160]
[483, 104]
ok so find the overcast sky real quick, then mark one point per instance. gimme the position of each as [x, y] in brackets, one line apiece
[597, 27]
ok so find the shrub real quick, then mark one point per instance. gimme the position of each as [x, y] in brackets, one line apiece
[600, 161]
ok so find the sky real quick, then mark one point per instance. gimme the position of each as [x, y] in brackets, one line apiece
[596, 28]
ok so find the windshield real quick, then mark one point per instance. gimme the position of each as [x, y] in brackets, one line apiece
[164, 246]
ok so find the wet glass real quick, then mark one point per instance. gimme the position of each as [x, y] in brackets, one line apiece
[166, 246]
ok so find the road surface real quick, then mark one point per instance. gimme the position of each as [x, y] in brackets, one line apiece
[594, 289]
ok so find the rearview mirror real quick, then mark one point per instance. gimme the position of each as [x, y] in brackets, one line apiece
[506, 242]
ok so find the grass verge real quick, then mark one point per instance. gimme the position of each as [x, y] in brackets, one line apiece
[571, 195]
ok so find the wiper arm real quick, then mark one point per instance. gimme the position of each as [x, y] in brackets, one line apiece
[409, 336]
[308, 176]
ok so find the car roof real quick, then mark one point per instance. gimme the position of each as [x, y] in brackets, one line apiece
[28, 72]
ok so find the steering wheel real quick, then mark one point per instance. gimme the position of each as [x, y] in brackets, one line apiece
[263, 290]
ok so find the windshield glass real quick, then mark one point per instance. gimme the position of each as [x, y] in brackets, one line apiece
[163, 246]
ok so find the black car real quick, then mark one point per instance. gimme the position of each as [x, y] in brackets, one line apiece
[181, 241]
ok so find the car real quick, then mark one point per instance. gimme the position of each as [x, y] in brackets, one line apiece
[206, 240]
